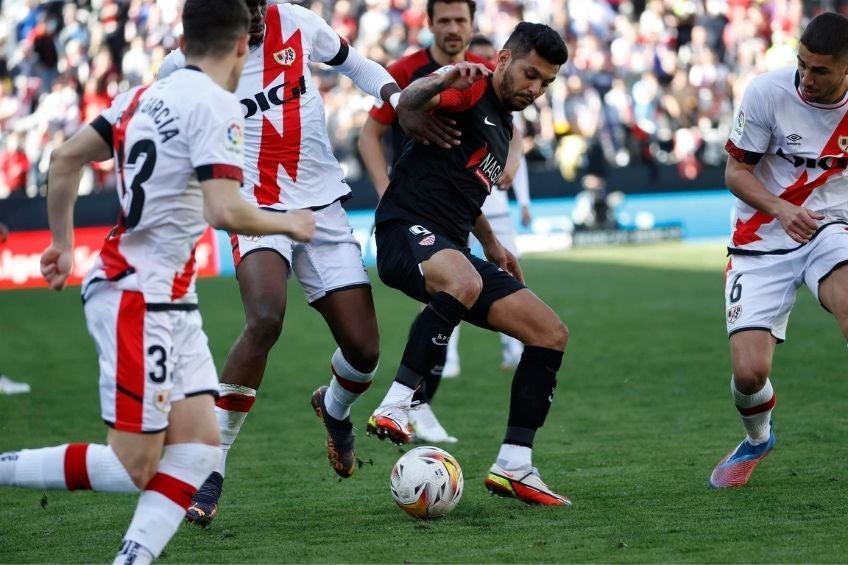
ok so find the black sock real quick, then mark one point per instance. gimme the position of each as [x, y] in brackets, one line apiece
[533, 389]
[428, 339]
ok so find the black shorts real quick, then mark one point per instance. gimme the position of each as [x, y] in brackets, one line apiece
[402, 247]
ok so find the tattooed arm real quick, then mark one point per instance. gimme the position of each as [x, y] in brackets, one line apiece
[425, 93]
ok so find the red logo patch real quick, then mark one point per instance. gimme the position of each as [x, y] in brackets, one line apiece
[429, 240]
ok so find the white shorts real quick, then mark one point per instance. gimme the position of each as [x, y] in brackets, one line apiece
[760, 290]
[331, 261]
[148, 359]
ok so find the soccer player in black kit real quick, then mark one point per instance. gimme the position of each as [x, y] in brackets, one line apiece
[422, 224]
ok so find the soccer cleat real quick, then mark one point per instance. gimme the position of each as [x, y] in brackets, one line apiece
[525, 485]
[391, 422]
[340, 437]
[736, 467]
[8, 386]
[425, 427]
[204, 503]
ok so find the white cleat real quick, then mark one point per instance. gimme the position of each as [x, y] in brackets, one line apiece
[426, 427]
[8, 386]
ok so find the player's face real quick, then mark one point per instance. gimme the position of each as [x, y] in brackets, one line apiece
[524, 79]
[258, 9]
[451, 27]
[824, 78]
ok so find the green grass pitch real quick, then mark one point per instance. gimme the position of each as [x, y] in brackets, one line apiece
[641, 415]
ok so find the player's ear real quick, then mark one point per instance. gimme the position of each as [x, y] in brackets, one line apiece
[504, 57]
[242, 46]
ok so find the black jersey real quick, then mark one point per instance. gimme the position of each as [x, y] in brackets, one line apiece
[443, 189]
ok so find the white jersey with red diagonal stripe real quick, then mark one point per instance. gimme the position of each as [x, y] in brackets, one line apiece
[289, 162]
[167, 138]
[801, 153]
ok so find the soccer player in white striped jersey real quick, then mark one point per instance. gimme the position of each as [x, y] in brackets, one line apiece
[289, 165]
[788, 168]
[178, 147]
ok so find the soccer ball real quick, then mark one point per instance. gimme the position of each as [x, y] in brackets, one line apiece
[426, 482]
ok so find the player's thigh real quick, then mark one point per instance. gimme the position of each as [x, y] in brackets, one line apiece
[262, 270]
[760, 291]
[332, 260]
[827, 271]
[524, 316]
[403, 247]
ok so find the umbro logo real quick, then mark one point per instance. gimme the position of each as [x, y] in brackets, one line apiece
[794, 139]
[487, 122]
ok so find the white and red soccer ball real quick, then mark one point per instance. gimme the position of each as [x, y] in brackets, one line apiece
[426, 482]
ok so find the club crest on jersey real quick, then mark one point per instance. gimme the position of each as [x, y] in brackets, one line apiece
[162, 400]
[740, 122]
[842, 142]
[429, 240]
[286, 57]
[733, 314]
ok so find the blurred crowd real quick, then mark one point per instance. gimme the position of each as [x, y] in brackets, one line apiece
[648, 82]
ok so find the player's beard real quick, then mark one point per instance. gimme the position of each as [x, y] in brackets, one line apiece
[512, 99]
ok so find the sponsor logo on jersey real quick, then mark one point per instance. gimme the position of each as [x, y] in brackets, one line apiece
[286, 57]
[418, 230]
[486, 167]
[825, 162]
[273, 96]
[733, 313]
[793, 139]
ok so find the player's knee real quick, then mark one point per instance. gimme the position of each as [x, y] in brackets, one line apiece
[750, 377]
[466, 287]
[550, 333]
[264, 328]
[363, 355]
[141, 471]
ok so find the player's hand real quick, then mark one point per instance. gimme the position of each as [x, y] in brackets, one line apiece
[505, 180]
[464, 74]
[302, 227]
[501, 256]
[427, 128]
[526, 218]
[798, 222]
[56, 265]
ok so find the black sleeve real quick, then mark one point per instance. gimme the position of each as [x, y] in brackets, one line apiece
[341, 56]
[102, 126]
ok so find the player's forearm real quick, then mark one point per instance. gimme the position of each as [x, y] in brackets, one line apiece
[483, 232]
[419, 95]
[63, 180]
[746, 187]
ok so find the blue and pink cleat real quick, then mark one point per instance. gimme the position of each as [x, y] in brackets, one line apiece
[736, 467]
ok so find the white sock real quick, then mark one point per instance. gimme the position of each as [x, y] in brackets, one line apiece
[346, 385]
[165, 499]
[453, 347]
[755, 411]
[511, 349]
[87, 466]
[399, 394]
[132, 553]
[231, 408]
[512, 457]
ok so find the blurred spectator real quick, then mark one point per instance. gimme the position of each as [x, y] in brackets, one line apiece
[14, 168]
[650, 82]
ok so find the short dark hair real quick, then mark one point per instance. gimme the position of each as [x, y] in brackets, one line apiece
[827, 34]
[212, 27]
[540, 38]
[480, 40]
[472, 6]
